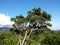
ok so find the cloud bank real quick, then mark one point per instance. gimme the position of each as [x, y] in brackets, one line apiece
[5, 20]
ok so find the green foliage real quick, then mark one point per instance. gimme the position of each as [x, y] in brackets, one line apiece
[36, 15]
[51, 39]
[8, 39]
[44, 38]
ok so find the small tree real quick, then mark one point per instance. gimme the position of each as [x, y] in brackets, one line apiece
[34, 21]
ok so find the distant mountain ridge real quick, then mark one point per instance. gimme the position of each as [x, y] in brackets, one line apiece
[5, 28]
[58, 30]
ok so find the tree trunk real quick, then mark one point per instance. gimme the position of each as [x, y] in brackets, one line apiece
[28, 37]
[19, 42]
[29, 34]
[24, 38]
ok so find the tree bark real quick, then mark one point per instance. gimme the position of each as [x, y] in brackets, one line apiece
[28, 37]
[24, 38]
[19, 42]
[29, 34]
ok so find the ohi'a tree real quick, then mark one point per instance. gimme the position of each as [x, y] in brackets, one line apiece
[36, 20]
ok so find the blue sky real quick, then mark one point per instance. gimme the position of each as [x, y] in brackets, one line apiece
[16, 7]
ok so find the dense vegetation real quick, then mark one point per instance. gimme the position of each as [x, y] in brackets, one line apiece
[45, 38]
[31, 30]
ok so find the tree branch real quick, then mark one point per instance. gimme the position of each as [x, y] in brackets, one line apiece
[28, 36]
[24, 37]
[19, 42]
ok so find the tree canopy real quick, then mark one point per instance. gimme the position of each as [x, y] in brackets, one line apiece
[35, 16]
[35, 20]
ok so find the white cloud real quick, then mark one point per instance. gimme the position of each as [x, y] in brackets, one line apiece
[5, 20]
